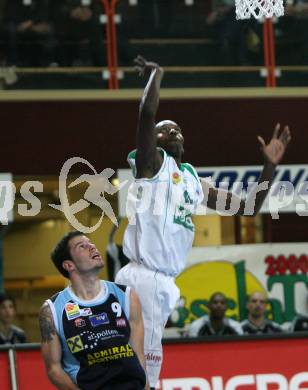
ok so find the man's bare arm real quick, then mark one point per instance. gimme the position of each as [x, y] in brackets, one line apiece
[52, 351]
[137, 330]
[221, 200]
[148, 160]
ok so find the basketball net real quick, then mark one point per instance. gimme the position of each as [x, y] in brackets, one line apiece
[258, 9]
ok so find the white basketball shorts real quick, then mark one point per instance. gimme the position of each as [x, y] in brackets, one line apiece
[158, 295]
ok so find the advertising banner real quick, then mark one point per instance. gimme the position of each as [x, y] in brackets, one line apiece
[31, 372]
[239, 270]
[264, 364]
[288, 194]
[279, 364]
[4, 370]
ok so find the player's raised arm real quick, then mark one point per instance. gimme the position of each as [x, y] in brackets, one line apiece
[273, 153]
[148, 160]
[52, 352]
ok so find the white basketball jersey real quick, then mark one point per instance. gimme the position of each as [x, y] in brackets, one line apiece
[160, 232]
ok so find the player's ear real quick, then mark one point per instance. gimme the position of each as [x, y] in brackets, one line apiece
[68, 265]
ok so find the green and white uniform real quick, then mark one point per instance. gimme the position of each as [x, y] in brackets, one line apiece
[157, 240]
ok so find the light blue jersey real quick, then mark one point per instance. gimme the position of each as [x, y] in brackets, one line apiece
[94, 335]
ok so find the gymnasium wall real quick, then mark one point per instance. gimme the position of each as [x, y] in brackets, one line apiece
[40, 135]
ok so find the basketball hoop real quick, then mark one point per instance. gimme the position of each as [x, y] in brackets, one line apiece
[258, 9]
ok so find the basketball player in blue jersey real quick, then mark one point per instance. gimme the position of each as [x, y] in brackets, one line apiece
[159, 237]
[92, 331]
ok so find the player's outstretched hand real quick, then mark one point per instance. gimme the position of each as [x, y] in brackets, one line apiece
[142, 65]
[274, 150]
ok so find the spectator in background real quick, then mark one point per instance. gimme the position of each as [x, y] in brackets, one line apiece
[256, 322]
[9, 333]
[29, 32]
[79, 32]
[216, 323]
[231, 33]
[114, 255]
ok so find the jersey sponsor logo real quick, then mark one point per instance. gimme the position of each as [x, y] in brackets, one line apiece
[183, 213]
[86, 312]
[182, 216]
[99, 319]
[75, 344]
[79, 322]
[105, 334]
[72, 310]
[176, 178]
[105, 355]
[120, 322]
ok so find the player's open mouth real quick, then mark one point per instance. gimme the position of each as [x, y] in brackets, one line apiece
[96, 256]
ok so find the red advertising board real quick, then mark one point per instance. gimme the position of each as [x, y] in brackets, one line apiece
[4, 371]
[280, 364]
[264, 364]
[31, 373]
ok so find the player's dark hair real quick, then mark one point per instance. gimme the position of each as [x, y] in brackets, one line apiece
[61, 252]
[5, 297]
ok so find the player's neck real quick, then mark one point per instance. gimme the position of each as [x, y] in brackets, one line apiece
[86, 288]
[178, 161]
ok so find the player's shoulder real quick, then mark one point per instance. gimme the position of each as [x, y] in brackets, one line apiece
[131, 159]
[54, 297]
[132, 155]
[190, 169]
[116, 286]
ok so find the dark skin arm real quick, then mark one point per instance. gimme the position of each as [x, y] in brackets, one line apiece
[148, 159]
[273, 153]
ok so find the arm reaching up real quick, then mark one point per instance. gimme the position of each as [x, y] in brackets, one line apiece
[148, 160]
[273, 153]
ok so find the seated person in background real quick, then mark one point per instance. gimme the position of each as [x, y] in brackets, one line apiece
[256, 322]
[79, 32]
[9, 333]
[215, 323]
[299, 324]
[29, 32]
[114, 255]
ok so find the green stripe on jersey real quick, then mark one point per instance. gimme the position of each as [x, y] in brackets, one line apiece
[190, 169]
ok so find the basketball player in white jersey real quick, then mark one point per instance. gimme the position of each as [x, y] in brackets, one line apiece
[159, 237]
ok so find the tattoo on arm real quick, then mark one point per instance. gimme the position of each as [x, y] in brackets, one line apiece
[47, 326]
